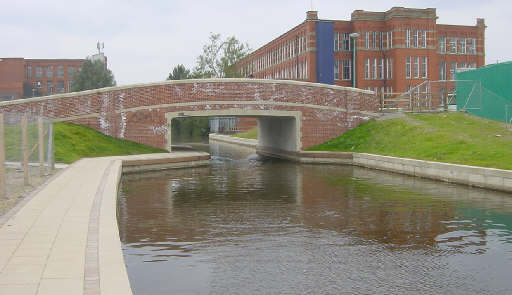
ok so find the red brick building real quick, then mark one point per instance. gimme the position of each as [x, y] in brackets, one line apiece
[395, 50]
[20, 77]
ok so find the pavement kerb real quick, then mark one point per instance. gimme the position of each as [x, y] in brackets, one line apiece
[68, 227]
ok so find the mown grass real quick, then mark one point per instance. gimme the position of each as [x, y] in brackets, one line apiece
[250, 134]
[73, 142]
[445, 137]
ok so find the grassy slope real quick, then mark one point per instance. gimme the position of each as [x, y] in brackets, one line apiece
[446, 137]
[250, 134]
[73, 142]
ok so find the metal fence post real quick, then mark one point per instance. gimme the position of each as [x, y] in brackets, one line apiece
[24, 136]
[41, 145]
[50, 157]
[2, 157]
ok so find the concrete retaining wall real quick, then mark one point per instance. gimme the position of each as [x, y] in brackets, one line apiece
[475, 176]
[490, 178]
[234, 140]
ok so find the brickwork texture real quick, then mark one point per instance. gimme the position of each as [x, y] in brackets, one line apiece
[137, 112]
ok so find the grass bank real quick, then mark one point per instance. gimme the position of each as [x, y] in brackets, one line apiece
[445, 137]
[73, 142]
[250, 134]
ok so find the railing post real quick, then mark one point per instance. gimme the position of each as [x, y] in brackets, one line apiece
[50, 157]
[41, 145]
[24, 137]
[2, 157]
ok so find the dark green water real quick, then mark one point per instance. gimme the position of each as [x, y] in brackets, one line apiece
[247, 225]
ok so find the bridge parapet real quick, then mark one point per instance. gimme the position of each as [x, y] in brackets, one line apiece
[138, 112]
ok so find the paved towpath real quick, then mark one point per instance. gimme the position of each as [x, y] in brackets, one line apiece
[64, 238]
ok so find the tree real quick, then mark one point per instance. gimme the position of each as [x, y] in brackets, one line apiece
[92, 75]
[219, 57]
[179, 73]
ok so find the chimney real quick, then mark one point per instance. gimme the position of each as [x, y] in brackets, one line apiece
[312, 15]
[480, 22]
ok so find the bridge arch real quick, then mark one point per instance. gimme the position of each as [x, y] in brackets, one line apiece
[278, 130]
[293, 115]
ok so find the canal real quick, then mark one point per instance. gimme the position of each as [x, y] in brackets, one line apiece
[251, 225]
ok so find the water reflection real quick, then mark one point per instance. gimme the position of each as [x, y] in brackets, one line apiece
[248, 225]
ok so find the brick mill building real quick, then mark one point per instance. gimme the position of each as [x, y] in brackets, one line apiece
[395, 50]
[20, 77]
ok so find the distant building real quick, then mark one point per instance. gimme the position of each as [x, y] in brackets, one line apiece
[22, 78]
[395, 50]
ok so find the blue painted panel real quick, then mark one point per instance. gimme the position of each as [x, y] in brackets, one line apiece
[325, 52]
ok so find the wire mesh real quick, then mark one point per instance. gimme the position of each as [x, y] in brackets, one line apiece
[26, 155]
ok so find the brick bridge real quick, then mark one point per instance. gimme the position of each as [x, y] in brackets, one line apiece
[291, 115]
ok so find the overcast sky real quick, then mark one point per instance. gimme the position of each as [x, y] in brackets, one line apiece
[145, 39]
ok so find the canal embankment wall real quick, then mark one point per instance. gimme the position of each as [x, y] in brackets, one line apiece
[490, 178]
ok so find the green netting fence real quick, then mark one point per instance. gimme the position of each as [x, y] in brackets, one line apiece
[486, 92]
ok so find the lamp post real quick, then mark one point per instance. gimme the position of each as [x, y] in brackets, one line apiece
[354, 36]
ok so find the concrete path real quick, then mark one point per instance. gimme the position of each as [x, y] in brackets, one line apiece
[64, 238]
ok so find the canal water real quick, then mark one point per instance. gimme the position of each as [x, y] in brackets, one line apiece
[250, 225]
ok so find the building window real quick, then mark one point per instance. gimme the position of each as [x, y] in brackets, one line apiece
[381, 69]
[345, 42]
[367, 69]
[60, 86]
[49, 87]
[415, 40]
[336, 69]
[472, 65]
[472, 45]
[407, 38]
[336, 42]
[347, 69]
[60, 72]
[39, 72]
[462, 65]
[28, 72]
[367, 39]
[442, 44]
[71, 71]
[374, 40]
[462, 45]
[453, 45]
[453, 66]
[390, 39]
[49, 72]
[416, 67]
[424, 67]
[375, 68]
[408, 67]
[424, 39]
[442, 70]
[389, 68]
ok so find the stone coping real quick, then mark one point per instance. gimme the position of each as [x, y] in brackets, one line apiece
[65, 238]
[178, 82]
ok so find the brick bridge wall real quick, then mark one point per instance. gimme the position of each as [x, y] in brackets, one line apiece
[137, 112]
